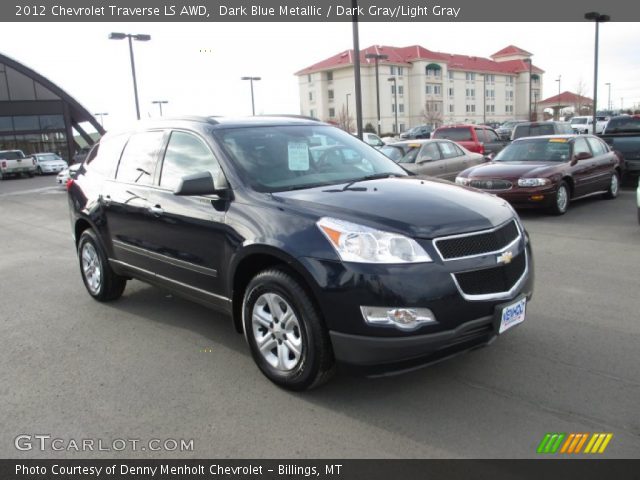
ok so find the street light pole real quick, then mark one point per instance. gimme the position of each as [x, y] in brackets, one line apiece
[159, 103]
[356, 66]
[395, 95]
[101, 115]
[251, 79]
[141, 38]
[559, 81]
[597, 18]
[377, 57]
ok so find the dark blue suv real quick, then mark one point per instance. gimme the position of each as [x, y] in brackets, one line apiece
[319, 247]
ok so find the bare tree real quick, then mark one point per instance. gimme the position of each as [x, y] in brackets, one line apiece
[345, 122]
[580, 106]
[432, 113]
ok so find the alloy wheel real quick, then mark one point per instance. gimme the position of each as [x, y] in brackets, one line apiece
[91, 268]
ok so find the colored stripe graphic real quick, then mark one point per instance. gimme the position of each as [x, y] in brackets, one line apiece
[572, 443]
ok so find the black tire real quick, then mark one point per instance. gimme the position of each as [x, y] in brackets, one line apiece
[315, 364]
[30, 174]
[39, 171]
[110, 285]
[560, 207]
[614, 187]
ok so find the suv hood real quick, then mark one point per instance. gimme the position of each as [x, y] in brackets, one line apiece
[415, 206]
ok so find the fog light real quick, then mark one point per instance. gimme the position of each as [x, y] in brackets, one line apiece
[402, 318]
[537, 197]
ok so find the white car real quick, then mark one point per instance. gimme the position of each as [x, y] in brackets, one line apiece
[49, 163]
[68, 173]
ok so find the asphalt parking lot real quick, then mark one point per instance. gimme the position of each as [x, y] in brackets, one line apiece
[153, 366]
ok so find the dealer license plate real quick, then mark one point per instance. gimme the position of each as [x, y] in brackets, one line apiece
[512, 315]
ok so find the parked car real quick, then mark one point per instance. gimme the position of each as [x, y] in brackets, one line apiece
[548, 171]
[371, 138]
[475, 138]
[421, 131]
[15, 163]
[353, 261]
[49, 163]
[437, 158]
[584, 124]
[535, 129]
[504, 131]
[68, 173]
[622, 133]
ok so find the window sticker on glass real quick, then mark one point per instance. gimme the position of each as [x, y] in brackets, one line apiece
[298, 156]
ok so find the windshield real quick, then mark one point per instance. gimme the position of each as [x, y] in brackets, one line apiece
[578, 121]
[536, 149]
[278, 158]
[11, 155]
[48, 157]
[623, 124]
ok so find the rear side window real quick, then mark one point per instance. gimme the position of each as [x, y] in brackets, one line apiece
[104, 157]
[449, 150]
[457, 134]
[186, 154]
[597, 146]
[138, 160]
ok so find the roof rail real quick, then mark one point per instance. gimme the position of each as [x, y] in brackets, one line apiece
[290, 115]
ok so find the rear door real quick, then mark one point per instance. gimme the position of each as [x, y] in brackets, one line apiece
[455, 159]
[127, 203]
[605, 161]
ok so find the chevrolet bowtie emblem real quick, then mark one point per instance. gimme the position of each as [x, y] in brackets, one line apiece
[505, 258]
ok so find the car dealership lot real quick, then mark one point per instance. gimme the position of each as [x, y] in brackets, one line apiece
[155, 366]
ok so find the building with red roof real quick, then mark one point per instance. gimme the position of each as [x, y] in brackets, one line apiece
[432, 87]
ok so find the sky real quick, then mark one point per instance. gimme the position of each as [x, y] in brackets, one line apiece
[196, 67]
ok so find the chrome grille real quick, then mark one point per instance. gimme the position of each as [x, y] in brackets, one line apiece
[491, 184]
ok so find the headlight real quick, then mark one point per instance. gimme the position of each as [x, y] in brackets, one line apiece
[463, 181]
[357, 243]
[533, 182]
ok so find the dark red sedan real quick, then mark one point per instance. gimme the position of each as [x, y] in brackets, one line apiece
[548, 171]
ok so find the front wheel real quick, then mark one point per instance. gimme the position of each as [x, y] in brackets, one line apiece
[288, 340]
[101, 281]
[614, 187]
[39, 171]
[561, 204]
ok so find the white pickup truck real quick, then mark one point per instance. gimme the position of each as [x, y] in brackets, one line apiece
[14, 162]
[584, 125]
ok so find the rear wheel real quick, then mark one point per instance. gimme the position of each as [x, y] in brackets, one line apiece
[287, 337]
[101, 281]
[614, 186]
[561, 204]
[39, 171]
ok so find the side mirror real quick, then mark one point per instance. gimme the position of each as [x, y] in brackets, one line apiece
[490, 157]
[582, 156]
[202, 183]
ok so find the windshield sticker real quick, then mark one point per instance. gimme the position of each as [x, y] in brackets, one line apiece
[558, 140]
[298, 156]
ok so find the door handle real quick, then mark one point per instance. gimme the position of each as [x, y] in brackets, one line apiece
[156, 210]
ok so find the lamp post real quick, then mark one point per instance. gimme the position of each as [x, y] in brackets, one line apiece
[160, 103]
[140, 37]
[395, 100]
[528, 60]
[609, 107]
[377, 57]
[559, 81]
[597, 18]
[101, 115]
[251, 80]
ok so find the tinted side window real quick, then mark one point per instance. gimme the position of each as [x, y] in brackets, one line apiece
[580, 146]
[449, 150]
[138, 160]
[457, 134]
[186, 154]
[104, 157]
[597, 146]
[490, 136]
